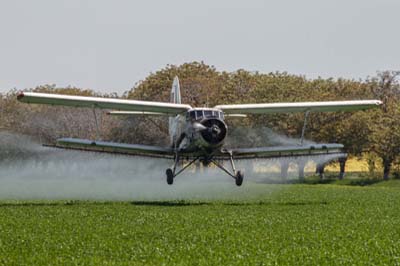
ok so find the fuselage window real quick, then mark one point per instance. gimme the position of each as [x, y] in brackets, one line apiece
[199, 114]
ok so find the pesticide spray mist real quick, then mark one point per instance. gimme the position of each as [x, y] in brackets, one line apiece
[30, 171]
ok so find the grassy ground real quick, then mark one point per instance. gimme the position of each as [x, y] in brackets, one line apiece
[258, 224]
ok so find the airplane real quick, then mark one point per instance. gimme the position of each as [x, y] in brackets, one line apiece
[196, 134]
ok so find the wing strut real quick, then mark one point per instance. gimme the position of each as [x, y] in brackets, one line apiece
[97, 124]
[303, 131]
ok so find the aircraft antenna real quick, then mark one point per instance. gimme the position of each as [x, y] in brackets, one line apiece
[206, 102]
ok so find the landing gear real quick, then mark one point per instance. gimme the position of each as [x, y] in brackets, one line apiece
[170, 176]
[237, 175]
[239, 178]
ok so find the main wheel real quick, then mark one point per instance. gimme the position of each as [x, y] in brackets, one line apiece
[170, 176]
[239, 178]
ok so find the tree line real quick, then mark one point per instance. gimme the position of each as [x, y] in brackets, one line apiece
[373, 134]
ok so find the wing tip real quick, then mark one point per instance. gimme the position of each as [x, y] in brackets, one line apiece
[20, 96]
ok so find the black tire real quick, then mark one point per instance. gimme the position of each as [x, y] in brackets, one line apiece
[239, 178]
[170, 176]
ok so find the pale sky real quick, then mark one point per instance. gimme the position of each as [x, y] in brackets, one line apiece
[110, 45]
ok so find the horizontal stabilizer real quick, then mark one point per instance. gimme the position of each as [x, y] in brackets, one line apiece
[112, 147]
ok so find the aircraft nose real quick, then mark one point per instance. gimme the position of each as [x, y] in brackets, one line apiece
[216, 131]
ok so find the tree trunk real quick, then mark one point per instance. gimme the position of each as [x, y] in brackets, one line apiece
[342, 162]
[320, 170]
[199, 167]
[301, 166]
[284, 170]
[387, 164]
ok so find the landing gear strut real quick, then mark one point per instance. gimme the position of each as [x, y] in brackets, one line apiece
[237, 175]
[172, 173]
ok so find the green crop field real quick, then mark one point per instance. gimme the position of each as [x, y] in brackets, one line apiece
[257, 224]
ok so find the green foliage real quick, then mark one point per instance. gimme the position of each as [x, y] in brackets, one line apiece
[254, 225]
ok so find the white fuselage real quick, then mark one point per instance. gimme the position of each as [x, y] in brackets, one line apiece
[200, 130]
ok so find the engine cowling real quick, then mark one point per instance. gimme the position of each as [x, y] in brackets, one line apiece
[215, 131]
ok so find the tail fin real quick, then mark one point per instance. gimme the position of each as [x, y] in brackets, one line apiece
[175, 98]
[176, 91]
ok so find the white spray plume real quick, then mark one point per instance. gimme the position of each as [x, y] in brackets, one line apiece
[30, 171]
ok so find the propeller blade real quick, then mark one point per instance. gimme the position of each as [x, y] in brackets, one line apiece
[198, 126]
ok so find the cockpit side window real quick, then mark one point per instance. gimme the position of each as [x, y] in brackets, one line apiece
[199, 114]
[192, 115]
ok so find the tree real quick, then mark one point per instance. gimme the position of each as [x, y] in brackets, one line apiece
[385, 138]
[385, 126]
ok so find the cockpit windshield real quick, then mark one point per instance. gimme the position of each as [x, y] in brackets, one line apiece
[208, 113]
[200, 114]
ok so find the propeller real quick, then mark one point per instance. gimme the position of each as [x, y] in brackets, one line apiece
[198, 126]
[215, 130]
[212, 130]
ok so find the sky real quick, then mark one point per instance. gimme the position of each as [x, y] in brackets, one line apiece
[109, 45]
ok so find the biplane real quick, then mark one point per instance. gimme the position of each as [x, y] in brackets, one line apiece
[197, 134]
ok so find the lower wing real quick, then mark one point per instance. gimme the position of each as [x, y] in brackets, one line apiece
[168, 153]
[284, 151]
[113, 147]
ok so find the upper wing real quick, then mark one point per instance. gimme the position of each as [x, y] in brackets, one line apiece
[113, 147]
[103, 103]
[128, 113]
[263, 108]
